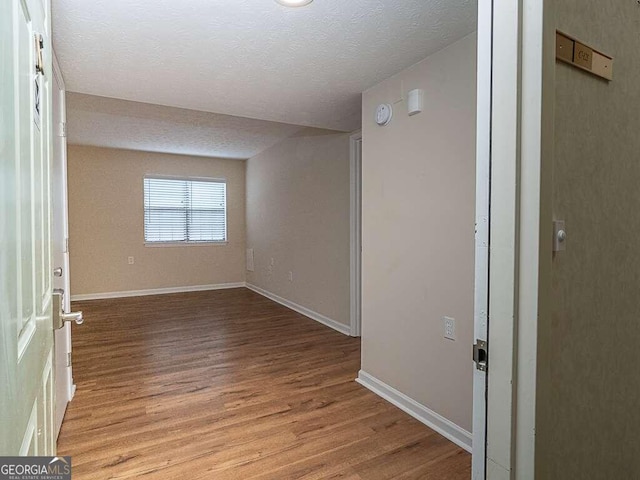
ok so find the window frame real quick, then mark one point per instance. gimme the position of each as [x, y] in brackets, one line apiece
[184, 243]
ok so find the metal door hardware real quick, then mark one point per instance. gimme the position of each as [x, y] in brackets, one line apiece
[39, 47]
[559, 236]
[59, 315]
[481, 355]
[57, 272]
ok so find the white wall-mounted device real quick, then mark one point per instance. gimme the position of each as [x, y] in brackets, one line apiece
[384, 112]
[250, 262]
[415, 101]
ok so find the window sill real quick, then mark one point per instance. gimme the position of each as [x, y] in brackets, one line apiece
[184, 244]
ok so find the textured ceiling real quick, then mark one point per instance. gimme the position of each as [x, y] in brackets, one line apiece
[251, 58]
[108, 122]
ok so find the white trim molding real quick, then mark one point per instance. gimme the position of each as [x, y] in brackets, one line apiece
[483, 190]
[521, 213]
[318, 317]
[155, 291]
[355, 233]
[431, 419]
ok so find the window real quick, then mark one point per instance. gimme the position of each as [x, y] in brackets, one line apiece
[184, 211]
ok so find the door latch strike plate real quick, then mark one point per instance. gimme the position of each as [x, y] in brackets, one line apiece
[480, 355]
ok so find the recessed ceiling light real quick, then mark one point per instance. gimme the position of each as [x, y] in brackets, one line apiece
[294, 3]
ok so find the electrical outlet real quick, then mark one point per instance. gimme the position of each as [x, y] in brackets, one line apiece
[449, 328]
[131, 260]
[291, 276]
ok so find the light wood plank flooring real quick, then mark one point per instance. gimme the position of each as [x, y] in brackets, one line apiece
[229, 385]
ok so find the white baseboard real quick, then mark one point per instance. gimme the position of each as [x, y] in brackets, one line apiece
[444, 427]
[155, 291]
[340, 327]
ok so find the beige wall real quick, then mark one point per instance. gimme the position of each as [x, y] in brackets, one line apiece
[418, 233]
[588, 384]
[107, 226]
[298, 214]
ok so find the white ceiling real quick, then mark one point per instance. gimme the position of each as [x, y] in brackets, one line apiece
[108, 122]
[251, 58]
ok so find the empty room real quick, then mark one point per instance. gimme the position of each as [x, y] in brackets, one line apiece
[319, 239]
[263, 238]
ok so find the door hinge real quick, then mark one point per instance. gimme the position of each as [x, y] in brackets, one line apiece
[69, 359]
[63, 129]
[66, 245]
[39, 45]
[481, 355]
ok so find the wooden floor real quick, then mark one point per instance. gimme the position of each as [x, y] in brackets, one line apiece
[229, 385]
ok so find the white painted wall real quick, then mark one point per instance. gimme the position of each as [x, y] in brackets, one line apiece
[298, 214]
[106, 224]
[418, 233]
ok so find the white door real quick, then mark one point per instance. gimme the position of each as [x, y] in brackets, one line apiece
[481, 295]
[26, 328]
[59, 239]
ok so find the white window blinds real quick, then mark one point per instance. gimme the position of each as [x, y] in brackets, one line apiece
[182, 210]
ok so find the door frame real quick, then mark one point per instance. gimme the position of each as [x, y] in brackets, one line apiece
[355, 233]
[520, 227]
[483, 189]
[58, 129]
